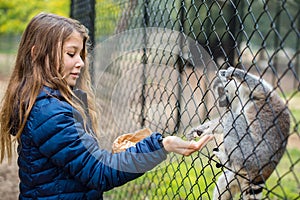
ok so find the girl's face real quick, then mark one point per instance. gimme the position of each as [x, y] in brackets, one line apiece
[73, 62]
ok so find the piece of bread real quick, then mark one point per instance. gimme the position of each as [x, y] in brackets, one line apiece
[122, 142]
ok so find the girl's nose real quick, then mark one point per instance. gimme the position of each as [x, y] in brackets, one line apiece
[79, 62]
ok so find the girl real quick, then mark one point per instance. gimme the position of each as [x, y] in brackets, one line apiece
[54, 125]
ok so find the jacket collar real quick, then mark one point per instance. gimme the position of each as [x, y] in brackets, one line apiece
[47, 91]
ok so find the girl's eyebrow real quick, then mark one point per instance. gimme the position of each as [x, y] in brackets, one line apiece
[73, 47]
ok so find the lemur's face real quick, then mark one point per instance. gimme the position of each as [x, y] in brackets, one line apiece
[224, 88]
[219, 91]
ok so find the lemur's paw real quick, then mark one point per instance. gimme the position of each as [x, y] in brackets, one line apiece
[194, 133]
[219, 154]
[222, 156]
[191, 135]
[197, 132]
[215, 151]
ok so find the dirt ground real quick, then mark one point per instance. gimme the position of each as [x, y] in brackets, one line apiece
[9, 181]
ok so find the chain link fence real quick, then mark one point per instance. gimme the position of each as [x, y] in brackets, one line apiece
[154, 66]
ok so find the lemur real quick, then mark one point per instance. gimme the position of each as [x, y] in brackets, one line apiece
[255, 127]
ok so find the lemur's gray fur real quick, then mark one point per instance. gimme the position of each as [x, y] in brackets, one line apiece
[255, 128]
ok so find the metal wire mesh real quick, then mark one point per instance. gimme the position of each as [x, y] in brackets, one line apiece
[155, 63]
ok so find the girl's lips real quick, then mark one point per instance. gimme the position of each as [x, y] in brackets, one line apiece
[75, 75]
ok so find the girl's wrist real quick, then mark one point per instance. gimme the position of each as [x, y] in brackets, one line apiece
[162, 143]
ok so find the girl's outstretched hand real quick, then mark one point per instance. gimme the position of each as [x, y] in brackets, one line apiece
[177, 145]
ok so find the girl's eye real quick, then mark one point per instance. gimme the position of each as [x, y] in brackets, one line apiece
[71, 54]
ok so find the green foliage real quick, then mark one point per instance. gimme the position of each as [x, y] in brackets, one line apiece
[283, 182]
[191, 178]
[107, 16]
[14, 15]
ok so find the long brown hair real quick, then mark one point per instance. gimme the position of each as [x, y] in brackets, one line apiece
[38, 63]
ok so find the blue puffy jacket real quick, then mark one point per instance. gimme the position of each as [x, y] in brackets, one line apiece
[58, 159]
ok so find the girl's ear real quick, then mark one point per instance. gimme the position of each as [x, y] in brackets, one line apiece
[33, 53]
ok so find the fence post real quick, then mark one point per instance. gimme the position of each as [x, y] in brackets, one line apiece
[276, 43]
[145, 24]
[297, 63]
[84, 11]
[180, 64]
[232, 32]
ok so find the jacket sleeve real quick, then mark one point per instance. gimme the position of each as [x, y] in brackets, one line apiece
[62, 138]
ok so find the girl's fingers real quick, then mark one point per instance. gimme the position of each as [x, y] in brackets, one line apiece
[204, 140]
[186, 148]
[196, 146]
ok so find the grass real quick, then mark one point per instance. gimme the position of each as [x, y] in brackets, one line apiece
[285, 181]
[194, 178]
[177, 180]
